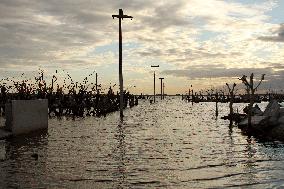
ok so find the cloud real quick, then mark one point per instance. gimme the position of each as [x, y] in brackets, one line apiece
[166, 15]
[274, 74]
[217, 71]
[177, 35]
[34, 32]
[279, 37]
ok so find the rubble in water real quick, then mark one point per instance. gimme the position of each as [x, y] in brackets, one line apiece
[269, 123]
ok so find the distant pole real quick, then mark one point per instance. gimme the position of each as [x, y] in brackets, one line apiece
[96, 82]
[155, 82]
[121, 16]
[154, 87]
[216, 96]
[192, 96]
[161, 78]
[163, 90]
[52, 84]
[188, 95]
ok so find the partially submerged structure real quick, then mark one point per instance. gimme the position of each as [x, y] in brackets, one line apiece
[25, 116]
[268, 123]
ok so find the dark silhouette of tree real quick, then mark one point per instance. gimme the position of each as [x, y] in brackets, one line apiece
[250, 89]
[232, 94]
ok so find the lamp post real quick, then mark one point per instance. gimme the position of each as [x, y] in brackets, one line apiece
[161, 78]
[155, 66]
[120, 16]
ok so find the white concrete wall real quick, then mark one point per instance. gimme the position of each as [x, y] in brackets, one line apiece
[27, 116]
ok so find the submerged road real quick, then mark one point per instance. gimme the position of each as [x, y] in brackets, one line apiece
[170, 144]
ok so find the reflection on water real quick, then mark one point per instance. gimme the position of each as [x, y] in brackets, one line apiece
[2, 150]
[169, 144]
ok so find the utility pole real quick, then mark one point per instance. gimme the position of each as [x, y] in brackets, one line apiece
[161, 78]
[155, 82]
[192, 96]
[120, 17]
[163, 90]
[96, 82]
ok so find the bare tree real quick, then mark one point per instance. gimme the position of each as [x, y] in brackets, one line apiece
[250, 92]
[232, 94]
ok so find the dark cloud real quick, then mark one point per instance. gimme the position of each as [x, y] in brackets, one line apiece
[277, 38]
[151, 53]
[277, 66]
[31, 31]
[210, 71]
[273, 70]
[188, 54]
[166, 16]
[273, 78]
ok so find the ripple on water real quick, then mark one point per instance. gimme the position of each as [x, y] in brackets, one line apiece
[169, 144]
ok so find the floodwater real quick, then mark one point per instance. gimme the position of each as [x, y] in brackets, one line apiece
[170, 144]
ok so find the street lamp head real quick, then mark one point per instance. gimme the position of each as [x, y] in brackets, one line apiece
[155, 66]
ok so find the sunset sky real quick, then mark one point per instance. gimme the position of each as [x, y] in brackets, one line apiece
[204, 43]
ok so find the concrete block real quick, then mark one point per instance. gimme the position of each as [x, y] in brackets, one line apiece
[24, 116]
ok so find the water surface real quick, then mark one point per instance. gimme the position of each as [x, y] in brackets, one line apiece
[170, 144]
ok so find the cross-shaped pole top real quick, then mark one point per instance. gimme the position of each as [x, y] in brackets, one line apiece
[121, 15]
[155, 66]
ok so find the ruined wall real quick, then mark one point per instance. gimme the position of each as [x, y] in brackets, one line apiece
[24, 116]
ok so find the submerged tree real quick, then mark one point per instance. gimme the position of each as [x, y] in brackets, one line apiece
[232, 94]
[250, 89]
